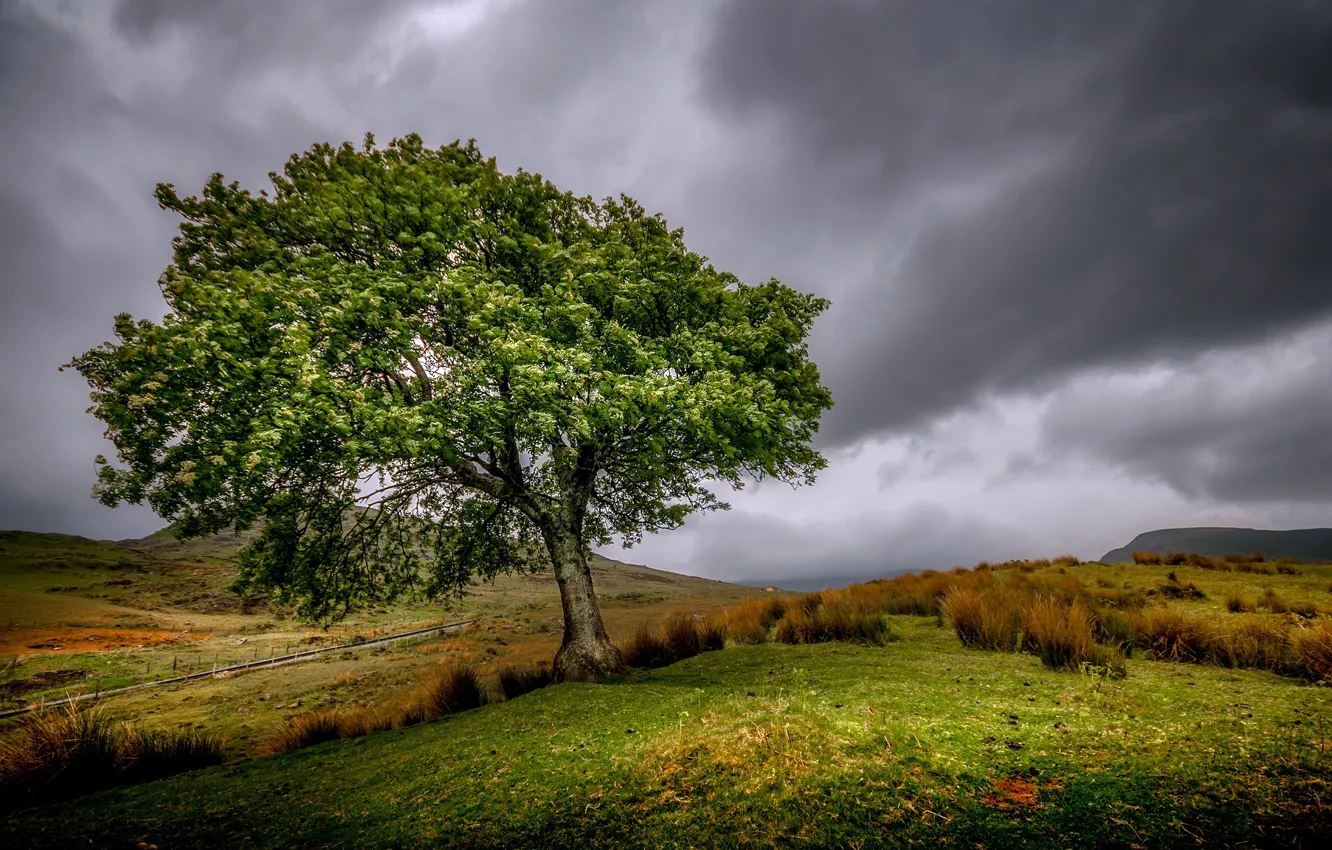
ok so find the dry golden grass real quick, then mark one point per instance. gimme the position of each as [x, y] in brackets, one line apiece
[514, 681]
[450, 689]
[1148, 558]
[984, 618]
[748, 623]
[682, 636]
[1273, 602]
[1171, 634]
[76, 749]
[1238, 605]
[834, 619]
[1059, 634]
[1261, 642]
[1312, 649]
[68, 750]
[303, 730]
[645, 648]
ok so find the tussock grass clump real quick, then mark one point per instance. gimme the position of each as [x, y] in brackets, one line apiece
[984, 619]
[303, 730]
[60, 753]
[1256, 567]
[1148, 558]
[808, 603]
[1304, 608]
[76, 749]
[748, 622]
[908, 594]
[516, 681]
[1174, 635]
[1175, 589]
[645, 649]
[147, 754]
[447, 690]
[379, 718]
[1251, 642]
[1312, 650]
[682, 636]
[1237, 605]
[1193, 559]
[1273, 602]
[1284, 568]
[1116, 630]
[711, 635]
[1060, 635]
[451, 689]
[834, 619]
[1067, 561]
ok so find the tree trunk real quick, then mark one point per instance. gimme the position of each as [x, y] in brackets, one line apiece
[586, 653]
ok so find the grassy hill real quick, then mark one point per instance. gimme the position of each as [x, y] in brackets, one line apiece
[79, 615]
[919, 742]
[1312, 545]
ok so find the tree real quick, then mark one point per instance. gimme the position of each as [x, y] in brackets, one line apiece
[411, 369]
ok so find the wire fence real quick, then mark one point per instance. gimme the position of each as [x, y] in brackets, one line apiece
[260, 663]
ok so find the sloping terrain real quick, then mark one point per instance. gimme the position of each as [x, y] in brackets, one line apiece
[79, 615]
[1311, 545]
[917, 743]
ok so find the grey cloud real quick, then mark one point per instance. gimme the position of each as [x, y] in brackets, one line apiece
[1164, 173]
[99, 110]
[765, 548]
[1251, 427]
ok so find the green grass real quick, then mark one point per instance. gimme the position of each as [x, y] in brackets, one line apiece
[182, 586]
[823, 745]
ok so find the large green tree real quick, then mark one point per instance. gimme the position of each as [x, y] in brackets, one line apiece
[410, 368]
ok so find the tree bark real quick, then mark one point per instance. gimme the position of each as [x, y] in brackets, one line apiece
[586, 653]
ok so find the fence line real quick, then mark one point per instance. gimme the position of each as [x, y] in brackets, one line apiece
[249, 665]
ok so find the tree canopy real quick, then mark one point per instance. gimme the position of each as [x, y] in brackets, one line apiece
[412, 368]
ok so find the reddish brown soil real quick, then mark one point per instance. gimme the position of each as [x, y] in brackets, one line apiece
[65, 641]
[1012, 793]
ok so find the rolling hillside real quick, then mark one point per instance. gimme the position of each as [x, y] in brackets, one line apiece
[1311, 545]
[80, 615]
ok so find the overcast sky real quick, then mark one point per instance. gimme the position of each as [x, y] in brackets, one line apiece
[1079, 253]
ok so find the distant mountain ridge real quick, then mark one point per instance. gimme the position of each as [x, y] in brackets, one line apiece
[1313, 545]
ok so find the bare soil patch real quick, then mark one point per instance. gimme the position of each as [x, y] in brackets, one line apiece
[1013, 793]
[72, 640]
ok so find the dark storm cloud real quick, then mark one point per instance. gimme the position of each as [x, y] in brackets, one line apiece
[1061, 184]
[1248, 427]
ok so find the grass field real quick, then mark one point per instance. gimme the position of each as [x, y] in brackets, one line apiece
[164, 607]
[917, 742]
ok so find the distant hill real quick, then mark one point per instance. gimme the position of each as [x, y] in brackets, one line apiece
[64, 578]
[1312, 545]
